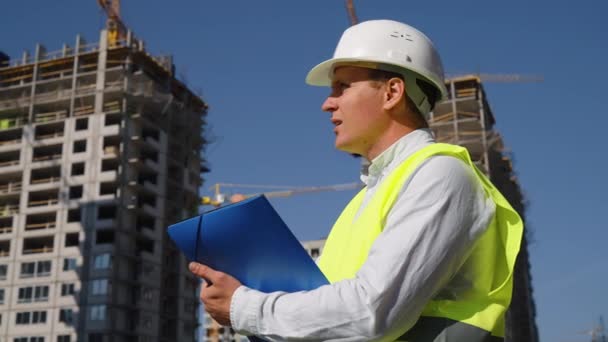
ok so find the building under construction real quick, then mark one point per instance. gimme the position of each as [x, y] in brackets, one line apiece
[100, 150]
[466, 119]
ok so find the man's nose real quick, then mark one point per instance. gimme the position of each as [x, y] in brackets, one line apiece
[330, 104]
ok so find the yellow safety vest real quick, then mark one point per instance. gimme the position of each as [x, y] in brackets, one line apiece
[478, 314]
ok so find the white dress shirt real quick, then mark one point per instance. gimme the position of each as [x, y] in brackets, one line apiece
[437, 217]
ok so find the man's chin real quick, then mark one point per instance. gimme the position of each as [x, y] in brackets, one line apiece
[353, 152]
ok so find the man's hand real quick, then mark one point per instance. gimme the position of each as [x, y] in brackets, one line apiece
[216, 292]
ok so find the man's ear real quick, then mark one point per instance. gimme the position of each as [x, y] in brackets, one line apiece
[394, 92]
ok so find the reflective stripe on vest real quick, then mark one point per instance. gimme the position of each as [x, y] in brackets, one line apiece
[491, 261]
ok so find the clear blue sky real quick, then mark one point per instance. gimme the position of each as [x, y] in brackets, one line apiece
[249, 60]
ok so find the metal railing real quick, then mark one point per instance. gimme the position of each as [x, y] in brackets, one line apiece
[10, 142]
[41, 203]
[44, 249]
[40, 226]
[45, 180]
[10, 187]
[51, 116]
[49, 136]
[47, 157]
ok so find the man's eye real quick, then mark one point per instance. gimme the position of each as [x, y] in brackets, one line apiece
[343, 85]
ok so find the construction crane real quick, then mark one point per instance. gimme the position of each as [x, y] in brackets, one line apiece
[496, 78]
[598, 333]
[352, 15]
[117, 30]
[220, 198]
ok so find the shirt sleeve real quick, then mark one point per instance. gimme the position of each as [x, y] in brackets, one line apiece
[436, 219]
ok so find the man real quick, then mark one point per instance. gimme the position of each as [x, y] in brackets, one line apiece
[425, 252]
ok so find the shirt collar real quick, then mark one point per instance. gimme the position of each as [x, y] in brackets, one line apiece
[396, 154]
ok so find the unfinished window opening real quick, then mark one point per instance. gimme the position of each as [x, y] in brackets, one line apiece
[145, 222]
[82, 124]
[74, 215]
[109, 165]
[71, 239]
[108, 188]
[106, 212]
[77, 169]
[147, 177]
[104, 236]
[150, 133]
[112, 119]
[144, 199]
[153, 156]
[145, 245]
[80, 146]
[76, 192]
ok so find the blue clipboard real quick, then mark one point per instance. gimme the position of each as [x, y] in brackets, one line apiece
[249, 241]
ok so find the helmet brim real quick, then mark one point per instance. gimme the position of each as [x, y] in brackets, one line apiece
[322, 73]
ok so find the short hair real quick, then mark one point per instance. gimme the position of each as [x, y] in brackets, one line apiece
[428, 90]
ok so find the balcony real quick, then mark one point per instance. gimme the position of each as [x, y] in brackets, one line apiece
[10, 160]
[43, 198]
[10, 188]
[5, 248]
[49, 131]
[112, 107]
[48, 175]
[47, 153]
[42, 221]
[84, 110]
[52, 116]
[6, 225]
[10, 139]
[37, 245]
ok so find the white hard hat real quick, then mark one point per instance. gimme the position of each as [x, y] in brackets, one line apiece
[391, 46]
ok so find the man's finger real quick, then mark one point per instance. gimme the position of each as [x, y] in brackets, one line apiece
[205, 272]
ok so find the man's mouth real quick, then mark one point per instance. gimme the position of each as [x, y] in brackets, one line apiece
[336, 123]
